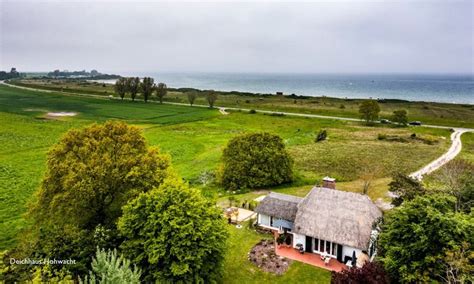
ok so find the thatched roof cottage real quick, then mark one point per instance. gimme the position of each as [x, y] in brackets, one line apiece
[326, 220]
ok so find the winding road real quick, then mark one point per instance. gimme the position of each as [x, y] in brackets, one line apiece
[452, 152]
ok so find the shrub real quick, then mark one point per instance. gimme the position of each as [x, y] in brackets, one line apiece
[382, 136]
[256, 160]
[252, 111]
[108, 267]
[342, 106]
[322, 135]
[370, 273]
[281, 239]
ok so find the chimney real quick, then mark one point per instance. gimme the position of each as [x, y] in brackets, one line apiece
[329, 182]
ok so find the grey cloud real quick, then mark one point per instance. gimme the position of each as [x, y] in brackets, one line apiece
[396, 36]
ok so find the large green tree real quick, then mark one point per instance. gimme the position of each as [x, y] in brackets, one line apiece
[161, 91]
[192, 95]
[400, 117]
[405, 188]
[174, 234]
[369, 111]
[417, 235]
[211, 98]
[133, 86]
[91, 173]
[256, 160]
[121, 87]
[147, 87]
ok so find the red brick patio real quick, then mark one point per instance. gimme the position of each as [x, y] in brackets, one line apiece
[309, 258]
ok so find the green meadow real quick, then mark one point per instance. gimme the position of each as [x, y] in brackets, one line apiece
[194, 137]
[460, 115]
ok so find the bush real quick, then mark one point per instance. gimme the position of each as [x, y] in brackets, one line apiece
[382, 136]
[322, 135]
[281, 239]
[370, 273]
[252, 111]
[108, 267]
[256, 160]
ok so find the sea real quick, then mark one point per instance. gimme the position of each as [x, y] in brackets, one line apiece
[411, 87]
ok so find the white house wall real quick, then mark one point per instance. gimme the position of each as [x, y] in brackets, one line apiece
[299, 239]
[347, 251]
[264, 220]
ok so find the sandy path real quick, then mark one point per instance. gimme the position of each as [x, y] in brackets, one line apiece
[452, 152]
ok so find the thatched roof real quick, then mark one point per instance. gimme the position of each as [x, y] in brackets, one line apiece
[338, 216]
[279, 205]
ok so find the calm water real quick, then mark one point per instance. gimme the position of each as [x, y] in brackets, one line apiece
[435, 88]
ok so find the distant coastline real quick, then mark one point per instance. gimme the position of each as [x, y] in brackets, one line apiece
[458, 89]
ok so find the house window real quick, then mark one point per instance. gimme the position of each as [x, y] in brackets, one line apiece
[323, 246]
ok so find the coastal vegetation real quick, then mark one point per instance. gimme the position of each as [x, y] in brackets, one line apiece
[456, 115]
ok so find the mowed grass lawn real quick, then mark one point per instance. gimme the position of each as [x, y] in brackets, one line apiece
[238, 269]
[195, 138]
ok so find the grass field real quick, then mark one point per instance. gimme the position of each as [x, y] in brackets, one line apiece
[195, 137]
[467, 152]
[429, 113]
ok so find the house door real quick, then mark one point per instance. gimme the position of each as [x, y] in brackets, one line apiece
[309, 244]
[339, 253]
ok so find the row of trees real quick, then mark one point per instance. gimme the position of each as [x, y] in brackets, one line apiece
[369, 111]
[105, 188]
[147, 87]
[133, 86]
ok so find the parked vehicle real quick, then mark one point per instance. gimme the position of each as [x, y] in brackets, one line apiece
[417, 123]
[385, 121]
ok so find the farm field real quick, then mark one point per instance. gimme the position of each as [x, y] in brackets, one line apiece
[429, 113]
[195, 137]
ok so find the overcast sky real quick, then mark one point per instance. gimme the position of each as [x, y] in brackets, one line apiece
[318, 37]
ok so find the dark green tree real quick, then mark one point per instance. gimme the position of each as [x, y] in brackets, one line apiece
[404, 188]
[369, 111]
[91, 173]
[174, 234]
[417, 235]
[400, 117]
[121, 87]
[147, 87]
[211, 98]
[192, 95]
[133, 86]
[256, 160]
[161, 91]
